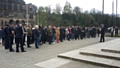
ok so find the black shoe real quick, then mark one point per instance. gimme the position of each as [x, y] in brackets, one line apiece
[6, 48]
[37, 47]
[24, 44]
[29, 46]
[11, 50]
[17, 51]
[24, 51]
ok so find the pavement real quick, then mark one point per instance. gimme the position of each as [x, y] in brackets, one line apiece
[46, 52]
[94, 54]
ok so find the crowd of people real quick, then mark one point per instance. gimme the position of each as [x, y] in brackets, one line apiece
[114, 31]
[40, 35]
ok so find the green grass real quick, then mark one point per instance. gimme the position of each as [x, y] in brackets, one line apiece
[109, 35]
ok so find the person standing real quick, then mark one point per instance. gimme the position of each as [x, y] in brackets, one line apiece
[6, 37]
[76, 34]
[64, 36]
[11, 36]
[54, 33]
[19, 35]
[98, 31]
[94, 32]
[3, 36]
[24, 32]
[57, 35]
[79, 31]
[44, 33]
[49, 32]
[88, 32]
[69, 33]
[112, 31]
[37, 36]
[32, 41]
[73, 33]
[41, 31]
[29, 36]
[102, 39]
[61, 33]
[0, 34]
[116, 31]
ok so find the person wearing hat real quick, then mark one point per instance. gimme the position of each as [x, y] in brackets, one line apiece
[6, 36]
[19, 38]
[11, 36]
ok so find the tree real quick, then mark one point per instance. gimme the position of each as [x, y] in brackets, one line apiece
[58, 9]
[71, 17]
[77, 10]
[67, 8]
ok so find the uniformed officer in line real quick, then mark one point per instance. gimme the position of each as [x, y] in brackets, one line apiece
[102, 39]
[6, 36]
[11, 36]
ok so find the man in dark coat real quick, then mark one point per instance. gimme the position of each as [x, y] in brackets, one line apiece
[41, 31]
[24, 32]
[44, 35]
[6, 36]
[79, 31]
[116, 31]
[61, 33]
[49, 33]
[54, 33]
[11, 36]
[94, 32]
[19, 35]
[102, 39]
[37, 36]
[76, 34]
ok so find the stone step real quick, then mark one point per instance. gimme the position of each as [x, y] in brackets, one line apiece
[101, 54]
[74, 55]
[111, 50]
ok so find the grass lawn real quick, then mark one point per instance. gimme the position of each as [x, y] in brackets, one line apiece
[109, 35]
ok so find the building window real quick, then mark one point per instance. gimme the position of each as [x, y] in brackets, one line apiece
[9, 6]
[31, 16]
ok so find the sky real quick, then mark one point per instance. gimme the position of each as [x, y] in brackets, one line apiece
[84, 4]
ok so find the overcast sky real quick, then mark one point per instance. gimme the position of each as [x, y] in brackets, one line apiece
[84, 4]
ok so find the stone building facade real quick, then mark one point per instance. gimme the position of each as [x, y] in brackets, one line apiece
[31, 13]
[15, 10]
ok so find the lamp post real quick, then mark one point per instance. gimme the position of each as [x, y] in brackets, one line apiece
[113, 12]
[103, 12]
[49, 12]
[36, 15]
[116, 11]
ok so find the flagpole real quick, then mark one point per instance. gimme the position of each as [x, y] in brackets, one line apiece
[112, 11]
[116, 11]
[27, 13]
[103, 12]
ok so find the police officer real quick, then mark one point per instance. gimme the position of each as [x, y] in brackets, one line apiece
[6, 36]
[102, 39]
[11, 35]
[19, 35]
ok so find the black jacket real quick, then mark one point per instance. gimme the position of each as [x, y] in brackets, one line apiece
[37, 33]
[103, 31]
[19, 32]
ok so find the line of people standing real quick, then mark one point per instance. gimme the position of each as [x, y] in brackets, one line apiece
[42, 34]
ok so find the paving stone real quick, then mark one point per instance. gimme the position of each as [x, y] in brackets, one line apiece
[53, 63]
[44, 53]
